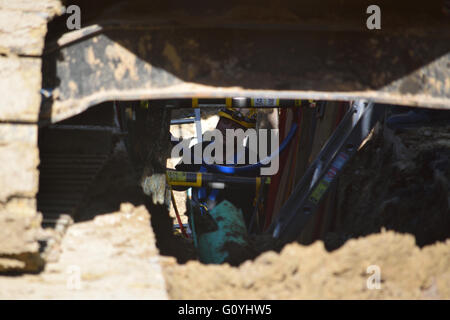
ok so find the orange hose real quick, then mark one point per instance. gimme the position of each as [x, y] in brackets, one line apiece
[183, 231]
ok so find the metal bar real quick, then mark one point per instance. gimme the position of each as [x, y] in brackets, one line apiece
[198, 125]
[182, 121]
[236, 102]
[196, 179]
[318, 65]
[340, 147]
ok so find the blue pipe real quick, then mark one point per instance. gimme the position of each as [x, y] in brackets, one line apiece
[231, 170]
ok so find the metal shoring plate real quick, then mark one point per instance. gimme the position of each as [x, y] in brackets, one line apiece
[339, 149]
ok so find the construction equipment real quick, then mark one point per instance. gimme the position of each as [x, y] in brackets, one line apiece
[339, 149]
[342, 145]
[287, 49]
[217, 225]
[214, 180]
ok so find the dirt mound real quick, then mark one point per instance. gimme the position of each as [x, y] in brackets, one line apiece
[112, 256]
[310, 272]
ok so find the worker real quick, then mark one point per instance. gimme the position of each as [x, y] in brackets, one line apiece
[229, 118]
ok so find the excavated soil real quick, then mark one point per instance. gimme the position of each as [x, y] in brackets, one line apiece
[311, 272]
[112, 256]
[394, 218]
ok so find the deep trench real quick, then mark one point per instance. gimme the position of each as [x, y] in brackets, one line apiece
[413, 203]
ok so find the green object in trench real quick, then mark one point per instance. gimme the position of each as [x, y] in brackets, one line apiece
[231, 232]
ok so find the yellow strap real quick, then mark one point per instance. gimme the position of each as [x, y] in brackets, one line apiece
[258, 185]
[242, 123]
[199, 179]
[144, 104]
[194, 102]
[183, 182]
[252, 113]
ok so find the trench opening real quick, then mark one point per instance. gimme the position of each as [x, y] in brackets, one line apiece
[397, 181]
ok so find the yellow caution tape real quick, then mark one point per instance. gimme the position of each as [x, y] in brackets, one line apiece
[179, 178]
